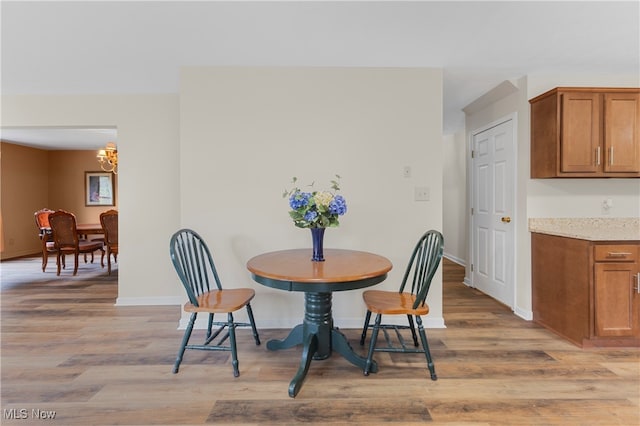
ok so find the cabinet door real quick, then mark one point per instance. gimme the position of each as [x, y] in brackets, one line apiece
[621, 132]
[580, 147]
[617, 303]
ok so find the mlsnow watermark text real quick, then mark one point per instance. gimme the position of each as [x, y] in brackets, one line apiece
[27, 413]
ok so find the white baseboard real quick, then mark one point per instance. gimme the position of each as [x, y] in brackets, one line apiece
[526, 315]
[457, 260]
[201, 322]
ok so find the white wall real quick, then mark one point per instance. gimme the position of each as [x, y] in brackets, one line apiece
[245, 132]
[148, 191]
[454, 178]
[577, 198]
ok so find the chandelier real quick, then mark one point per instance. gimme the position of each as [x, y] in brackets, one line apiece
[108, 158]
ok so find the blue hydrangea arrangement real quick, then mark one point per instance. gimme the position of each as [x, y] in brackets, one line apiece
[316, 209]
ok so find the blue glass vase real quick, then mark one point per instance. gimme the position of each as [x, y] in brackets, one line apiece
[317, 236]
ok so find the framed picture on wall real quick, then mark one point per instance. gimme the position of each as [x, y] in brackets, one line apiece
[98, 189]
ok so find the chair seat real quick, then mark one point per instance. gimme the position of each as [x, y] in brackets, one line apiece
[91, 245]
[85, 247]
[222, 301]
[392, 303]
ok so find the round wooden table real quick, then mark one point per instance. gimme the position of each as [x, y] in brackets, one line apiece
[342, 270]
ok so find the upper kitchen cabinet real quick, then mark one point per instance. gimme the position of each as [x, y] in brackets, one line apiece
[585, 132]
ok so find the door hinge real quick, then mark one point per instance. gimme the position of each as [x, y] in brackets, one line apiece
[472, 267]
[471, 211]
[473, 154]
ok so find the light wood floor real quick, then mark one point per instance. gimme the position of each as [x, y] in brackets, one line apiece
[66, 348]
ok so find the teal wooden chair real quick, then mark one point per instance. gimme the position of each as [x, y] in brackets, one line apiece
[409, 301]
[193, 263]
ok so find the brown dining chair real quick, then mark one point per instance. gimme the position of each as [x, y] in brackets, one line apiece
[109, 223]
[45, 235]
[194, 265]
[409, 301]
[66, 240]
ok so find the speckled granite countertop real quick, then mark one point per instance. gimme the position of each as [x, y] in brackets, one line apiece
[592, 229]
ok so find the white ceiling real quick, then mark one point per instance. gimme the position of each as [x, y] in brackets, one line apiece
[60, 138]
[139, 47]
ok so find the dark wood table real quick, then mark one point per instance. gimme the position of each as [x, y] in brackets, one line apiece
[82, 229]
[293, 270]
[89, 228]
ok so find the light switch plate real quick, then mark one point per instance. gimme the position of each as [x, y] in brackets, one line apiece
[421, 193]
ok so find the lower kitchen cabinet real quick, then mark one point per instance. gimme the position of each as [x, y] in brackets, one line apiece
[587, 291]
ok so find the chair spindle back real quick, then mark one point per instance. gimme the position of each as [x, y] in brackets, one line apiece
[423, 264]
[193, 263]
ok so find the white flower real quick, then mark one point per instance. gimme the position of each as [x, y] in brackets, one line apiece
[323, 198]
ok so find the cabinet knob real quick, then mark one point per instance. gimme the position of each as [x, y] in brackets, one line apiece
[506, 219]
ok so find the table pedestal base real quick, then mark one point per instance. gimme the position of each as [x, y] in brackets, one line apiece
[319, 338]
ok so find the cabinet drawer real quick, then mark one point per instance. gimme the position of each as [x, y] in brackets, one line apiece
[616, 253]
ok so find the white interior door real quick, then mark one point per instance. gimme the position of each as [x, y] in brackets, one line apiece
[493, 224]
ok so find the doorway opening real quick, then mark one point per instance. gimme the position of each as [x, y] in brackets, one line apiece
[46, 167]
